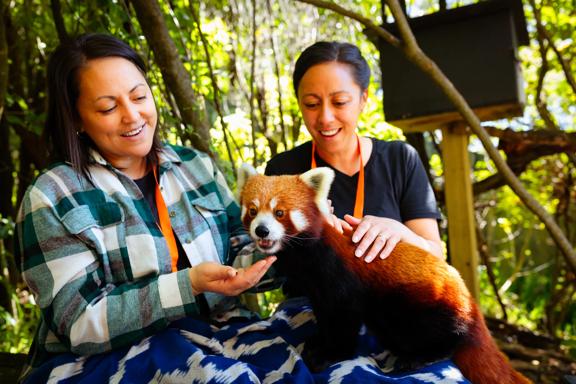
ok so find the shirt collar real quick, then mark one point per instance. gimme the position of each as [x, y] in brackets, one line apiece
[166, 157]
[95, 156]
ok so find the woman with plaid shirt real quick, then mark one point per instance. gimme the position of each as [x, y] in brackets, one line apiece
[104, 271]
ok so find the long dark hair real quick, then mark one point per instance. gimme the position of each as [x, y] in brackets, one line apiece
[326, 51]
[62, 120]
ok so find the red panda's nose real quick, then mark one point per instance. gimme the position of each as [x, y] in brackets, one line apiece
[262, 231]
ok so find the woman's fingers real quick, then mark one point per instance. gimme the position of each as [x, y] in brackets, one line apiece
[376, 245]
[389, 247]
[250, 276]
[336, 223]
[375, 237]
[373, 241]
[353, 221]
[213, 277]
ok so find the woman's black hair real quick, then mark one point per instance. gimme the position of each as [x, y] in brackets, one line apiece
[327, 51]
[62, 128]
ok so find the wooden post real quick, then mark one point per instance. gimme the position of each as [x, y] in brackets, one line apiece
[460, 204]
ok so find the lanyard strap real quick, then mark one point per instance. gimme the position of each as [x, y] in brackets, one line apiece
[165, 225]
[359, 203]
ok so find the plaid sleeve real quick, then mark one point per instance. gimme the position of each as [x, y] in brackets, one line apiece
[66, 262]
[238, 235]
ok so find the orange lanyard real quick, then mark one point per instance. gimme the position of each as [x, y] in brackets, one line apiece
[165, 225]
[359, 204]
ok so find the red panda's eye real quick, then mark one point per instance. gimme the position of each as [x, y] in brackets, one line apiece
[252, 212]
[279, 213]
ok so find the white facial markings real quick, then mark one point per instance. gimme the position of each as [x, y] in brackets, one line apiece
[298, 220]
[266, 219]
[243, 212]
[273, 203]
[275, 229]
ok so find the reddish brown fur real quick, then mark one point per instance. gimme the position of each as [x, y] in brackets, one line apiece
[430, 278]
[479, 359]
[294, 194]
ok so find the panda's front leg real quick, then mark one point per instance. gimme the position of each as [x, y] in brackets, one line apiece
[336, 339]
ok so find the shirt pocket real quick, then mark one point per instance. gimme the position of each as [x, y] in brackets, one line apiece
[214, 221]
[83, 217]
[101, 228]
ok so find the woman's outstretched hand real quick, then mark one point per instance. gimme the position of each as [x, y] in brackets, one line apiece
[226, 280]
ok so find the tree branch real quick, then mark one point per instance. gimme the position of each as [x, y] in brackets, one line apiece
[542, 36]
[544, 32]
[277, 71]
[174, 74]
[252, 85]
[381, 32]
[483, 251]
[215, 87]
[4, 68]
[58, 20]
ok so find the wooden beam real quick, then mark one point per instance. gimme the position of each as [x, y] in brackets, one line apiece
[432, 122]
[460, 205]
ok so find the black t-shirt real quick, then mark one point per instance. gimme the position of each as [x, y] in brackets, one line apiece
[395, 182]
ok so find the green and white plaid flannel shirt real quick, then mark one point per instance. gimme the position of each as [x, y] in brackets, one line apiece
[97, 262]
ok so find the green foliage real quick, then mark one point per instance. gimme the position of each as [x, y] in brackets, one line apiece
[268, 302]
[17, 323]
[17, 329]
[530, 273]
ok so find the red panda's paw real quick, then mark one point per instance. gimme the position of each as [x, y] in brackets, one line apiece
[315, 361]
[318, 356]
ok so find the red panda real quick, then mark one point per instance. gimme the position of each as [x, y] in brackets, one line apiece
[415, 304]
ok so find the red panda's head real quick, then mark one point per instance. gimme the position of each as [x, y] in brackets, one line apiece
[276, 209]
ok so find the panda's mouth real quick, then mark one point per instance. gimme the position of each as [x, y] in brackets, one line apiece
[267, 245]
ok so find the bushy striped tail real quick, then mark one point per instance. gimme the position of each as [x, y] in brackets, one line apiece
[480, 359]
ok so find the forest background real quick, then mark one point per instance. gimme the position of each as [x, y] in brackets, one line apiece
[221, 71]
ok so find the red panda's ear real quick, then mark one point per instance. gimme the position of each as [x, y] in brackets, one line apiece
[244, 173]
[320, 179]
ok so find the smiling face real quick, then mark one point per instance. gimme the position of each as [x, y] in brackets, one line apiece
[117, 112]
[331, 102]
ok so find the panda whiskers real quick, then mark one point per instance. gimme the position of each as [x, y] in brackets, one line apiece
[297, 240]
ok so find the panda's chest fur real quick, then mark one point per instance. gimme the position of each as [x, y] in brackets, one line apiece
[318, 272]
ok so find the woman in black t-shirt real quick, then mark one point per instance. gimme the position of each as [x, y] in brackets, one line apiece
[381, 189]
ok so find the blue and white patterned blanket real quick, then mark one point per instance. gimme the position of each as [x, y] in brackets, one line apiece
[263, 351]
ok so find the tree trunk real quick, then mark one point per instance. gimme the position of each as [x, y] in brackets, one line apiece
[59, 20]
[3, 56]
[175, 76]
[6, 167]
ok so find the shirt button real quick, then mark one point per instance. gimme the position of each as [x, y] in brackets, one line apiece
[172, 213]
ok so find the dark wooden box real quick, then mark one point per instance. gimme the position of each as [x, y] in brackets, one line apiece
[476, 48]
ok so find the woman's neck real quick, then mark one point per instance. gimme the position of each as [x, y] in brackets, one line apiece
[135, 169]
[347, 160]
